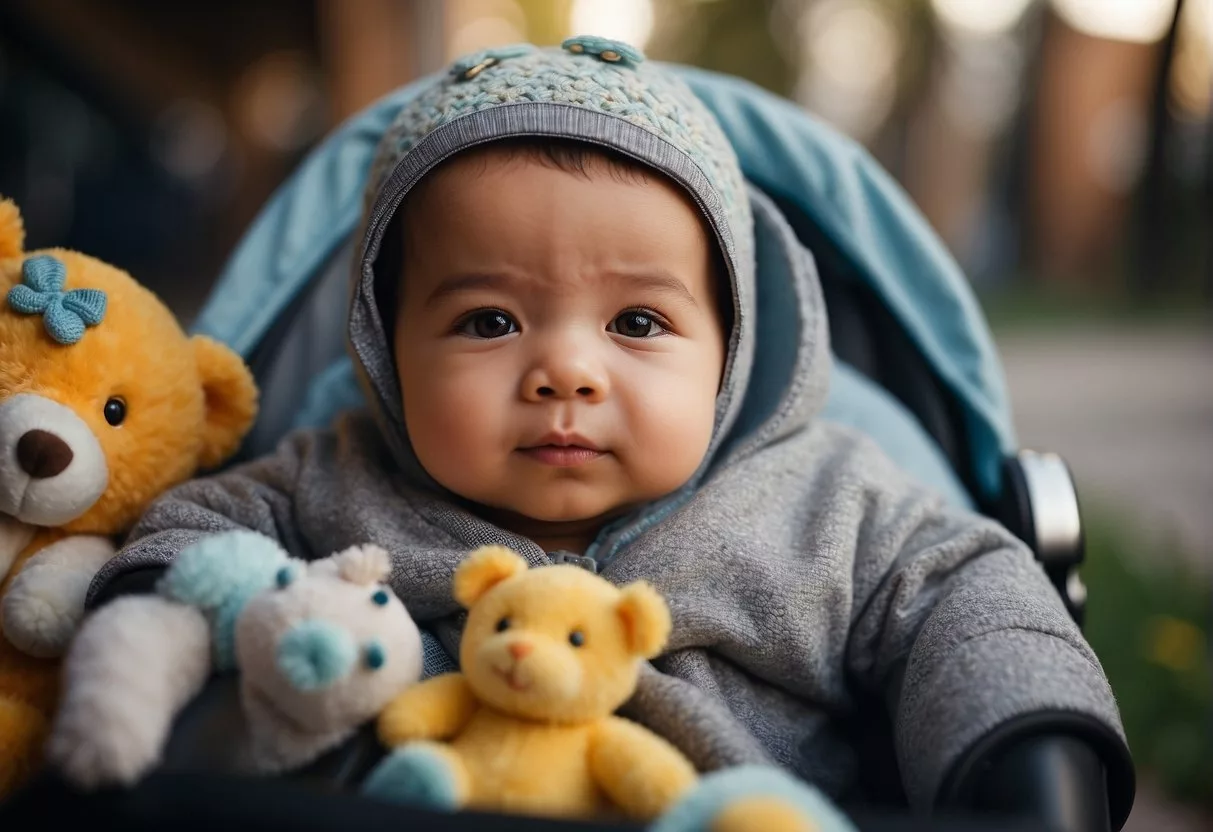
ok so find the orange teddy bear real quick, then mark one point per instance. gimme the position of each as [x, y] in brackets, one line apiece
[105, 403]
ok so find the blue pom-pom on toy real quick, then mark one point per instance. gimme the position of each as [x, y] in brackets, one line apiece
[604, 49]
[219, 574]
[64, 314]
[715, 792]
[415, 776]
[314, 654]
[211, 570]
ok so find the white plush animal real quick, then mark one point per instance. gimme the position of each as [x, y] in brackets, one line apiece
[321, 648]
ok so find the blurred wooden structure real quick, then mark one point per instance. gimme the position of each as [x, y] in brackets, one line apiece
[372, 46]
[1089, 144]
[226, 95]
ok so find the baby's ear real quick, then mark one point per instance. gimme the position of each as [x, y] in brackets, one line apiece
[12, 230]
[482, 570]
[231, 400]
[645, 618]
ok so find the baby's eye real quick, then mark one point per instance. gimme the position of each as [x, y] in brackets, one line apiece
[487, 323]
[636, 323]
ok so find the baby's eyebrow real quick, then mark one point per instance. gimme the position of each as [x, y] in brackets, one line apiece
[466, 282]
[653, 281]
[658, 281]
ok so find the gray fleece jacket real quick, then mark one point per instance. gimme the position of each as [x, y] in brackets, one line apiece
[804, 571]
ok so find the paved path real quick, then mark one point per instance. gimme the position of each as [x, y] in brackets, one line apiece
[1132, 412]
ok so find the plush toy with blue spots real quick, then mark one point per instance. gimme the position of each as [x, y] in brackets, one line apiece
[320, 647]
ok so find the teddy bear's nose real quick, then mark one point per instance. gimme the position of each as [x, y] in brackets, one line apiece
[315, 654]
[43, 455]
[520, 649]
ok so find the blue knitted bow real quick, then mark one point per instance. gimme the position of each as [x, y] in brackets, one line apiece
[65, 314]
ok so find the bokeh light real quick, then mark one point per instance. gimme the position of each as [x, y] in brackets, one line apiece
[1136, 21]
[630, 21]
[484, 23]
[982, 18]
[853, 50]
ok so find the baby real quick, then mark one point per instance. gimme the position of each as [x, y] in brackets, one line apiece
[557, 321]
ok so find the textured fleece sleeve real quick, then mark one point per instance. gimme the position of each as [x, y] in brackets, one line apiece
[257, 496]
[961, 630]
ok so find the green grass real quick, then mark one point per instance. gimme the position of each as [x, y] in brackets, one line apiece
[1149, 623]
[1024, 305]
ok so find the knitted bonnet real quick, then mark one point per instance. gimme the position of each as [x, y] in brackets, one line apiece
[590, 89]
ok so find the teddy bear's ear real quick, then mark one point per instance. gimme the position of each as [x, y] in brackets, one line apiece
[231, 399]
[367, 564]
[645, 617]
[12, 229]
[482, 570]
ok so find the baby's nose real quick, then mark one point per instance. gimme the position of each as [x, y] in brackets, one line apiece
[566, 379]
[520, 650]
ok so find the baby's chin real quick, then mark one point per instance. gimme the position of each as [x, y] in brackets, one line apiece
[563, 508]
[542, 510]
[539, 513]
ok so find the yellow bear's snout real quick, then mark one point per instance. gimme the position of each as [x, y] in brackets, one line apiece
[52, 468]
[526, 665]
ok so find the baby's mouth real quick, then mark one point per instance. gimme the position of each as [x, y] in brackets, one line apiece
[562, 449]
[562, 456]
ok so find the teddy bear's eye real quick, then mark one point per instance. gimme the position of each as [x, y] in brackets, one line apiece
[284, 577]
[115, 411]
[577, 638]
[380, 598]
[503, 625]
[375, 656]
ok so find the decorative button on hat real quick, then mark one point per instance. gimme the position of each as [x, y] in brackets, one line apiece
[472, 65]
[604, 49]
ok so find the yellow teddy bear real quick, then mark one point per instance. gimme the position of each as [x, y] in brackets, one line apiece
[105, 403]
[548, 656]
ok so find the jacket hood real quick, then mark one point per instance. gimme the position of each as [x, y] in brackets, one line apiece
[777, 358]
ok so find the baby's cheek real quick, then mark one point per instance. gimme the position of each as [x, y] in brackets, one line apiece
[441, 430]
[671, 423]
[453, 424]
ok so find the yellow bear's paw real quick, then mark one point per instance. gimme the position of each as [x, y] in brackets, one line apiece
[761, 814]
[23, 731]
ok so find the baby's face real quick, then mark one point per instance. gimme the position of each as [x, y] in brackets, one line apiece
[558, 342]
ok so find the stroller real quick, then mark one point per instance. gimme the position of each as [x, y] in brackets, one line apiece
[916, 369]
